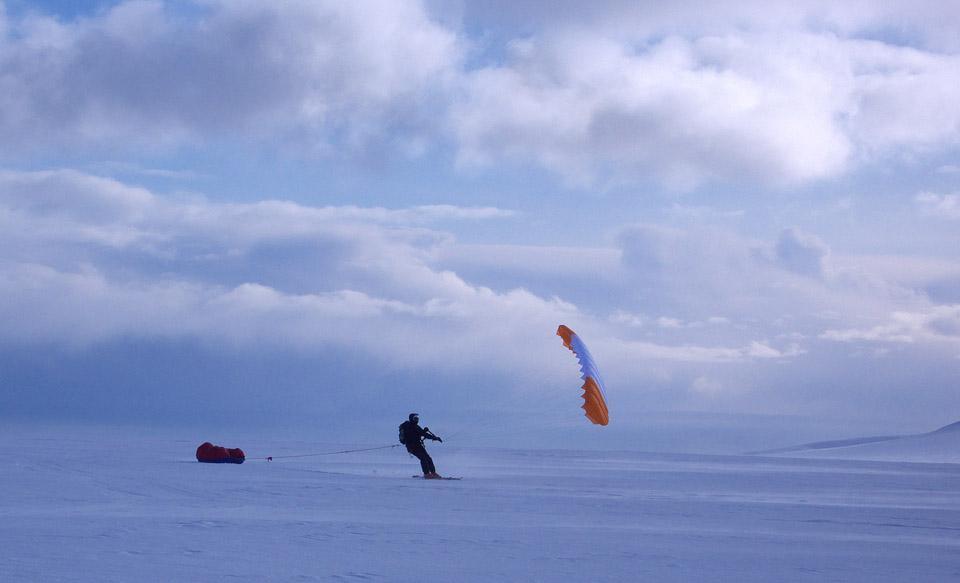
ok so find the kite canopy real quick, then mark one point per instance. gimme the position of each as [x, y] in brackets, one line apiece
[594, 404]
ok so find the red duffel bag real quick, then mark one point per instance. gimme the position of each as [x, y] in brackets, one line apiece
[215, 454]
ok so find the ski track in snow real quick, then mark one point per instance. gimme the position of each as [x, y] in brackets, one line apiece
[118, 506]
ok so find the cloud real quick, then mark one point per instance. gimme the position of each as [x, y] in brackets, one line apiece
[93, 207]
[780, 108]
[96, 260]
[142, 72]
[782, 290]
[91, 265]
[439, 212]
[936, 324]
[684, 110]
[89, 260]
[801, 252]
[707, 386]
[780, 297]
[781, 96]
[944, 206]
[686, 271]
[928, 23]
[703, 354]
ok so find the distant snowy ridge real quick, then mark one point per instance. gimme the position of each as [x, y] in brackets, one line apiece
[947, 428]
[940, 445]
[835, 443]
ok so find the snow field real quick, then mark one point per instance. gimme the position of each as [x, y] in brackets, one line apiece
[118, 505]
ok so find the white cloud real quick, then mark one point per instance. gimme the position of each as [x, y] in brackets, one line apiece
[802, 253]
[439, 212]
[625, 318]
[928, 23]
[99, 260]
[350, 73]
[905, 271]
[648, 352]
[590, 262]
[707, 386]
[780, 107]
[903, 97]
[944, 206]
[764, 290]
[698, 272]
[587, 106]
[936, 324]
[88, 260]
[780, 96]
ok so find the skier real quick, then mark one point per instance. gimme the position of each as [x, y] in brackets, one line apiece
[412, 436]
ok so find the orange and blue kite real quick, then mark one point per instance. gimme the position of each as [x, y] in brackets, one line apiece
[594, 403]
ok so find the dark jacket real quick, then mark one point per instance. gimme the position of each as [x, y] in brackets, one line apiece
[413, 434]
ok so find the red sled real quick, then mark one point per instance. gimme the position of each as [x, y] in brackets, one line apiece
[214, 454]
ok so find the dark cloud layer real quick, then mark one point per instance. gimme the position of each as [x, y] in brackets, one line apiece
[288, 307]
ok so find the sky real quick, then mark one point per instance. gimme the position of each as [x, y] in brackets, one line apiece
[324, 215]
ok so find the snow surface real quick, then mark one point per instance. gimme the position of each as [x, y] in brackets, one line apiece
[127, 505]
[941, 446]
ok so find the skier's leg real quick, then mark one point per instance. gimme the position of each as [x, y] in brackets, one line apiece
[427, 463]
[421, 454]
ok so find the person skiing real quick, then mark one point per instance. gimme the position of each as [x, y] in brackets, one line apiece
[412, 436]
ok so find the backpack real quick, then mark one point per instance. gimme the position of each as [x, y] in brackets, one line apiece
[402, 438]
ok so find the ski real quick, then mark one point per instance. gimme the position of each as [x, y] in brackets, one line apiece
[443, 478]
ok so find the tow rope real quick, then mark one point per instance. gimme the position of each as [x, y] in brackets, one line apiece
[270, 458]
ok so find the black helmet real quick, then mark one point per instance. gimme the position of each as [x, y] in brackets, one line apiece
[413, 416]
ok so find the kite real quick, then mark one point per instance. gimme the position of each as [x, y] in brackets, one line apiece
[594, 403]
